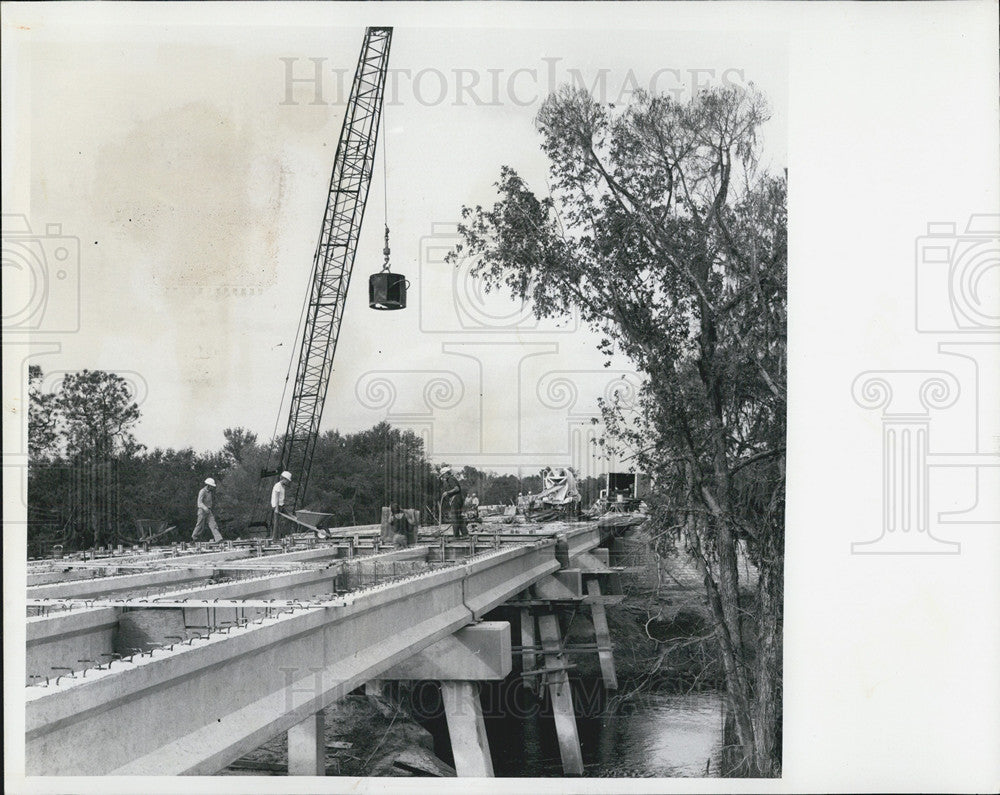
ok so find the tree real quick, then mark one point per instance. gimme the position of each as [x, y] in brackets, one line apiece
[43, 419]
[239, 441]
[80, 437]
[662, 230]
[98, 412]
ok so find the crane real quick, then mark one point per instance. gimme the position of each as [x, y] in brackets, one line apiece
[334, 259]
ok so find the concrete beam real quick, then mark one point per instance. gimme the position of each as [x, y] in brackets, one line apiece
[63, 640]
[576, 541]
[225, 695]
[103, 586]
[566, 584]
[475, 653]
[592, 562]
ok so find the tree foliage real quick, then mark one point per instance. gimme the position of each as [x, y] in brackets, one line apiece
[660, 228]
[89, 500]
[97, 413]
[43, 421]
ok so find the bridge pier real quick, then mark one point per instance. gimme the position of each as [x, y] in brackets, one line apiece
[466, 728]
[476, 653]
[307, 746]
[561, 695]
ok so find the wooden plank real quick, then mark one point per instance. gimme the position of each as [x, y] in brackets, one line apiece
[604, 599]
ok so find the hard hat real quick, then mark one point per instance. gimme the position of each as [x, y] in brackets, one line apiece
[286, 475]
[445, 470]
[210, 482]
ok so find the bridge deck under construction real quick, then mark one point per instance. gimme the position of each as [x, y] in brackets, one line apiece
[180, 659]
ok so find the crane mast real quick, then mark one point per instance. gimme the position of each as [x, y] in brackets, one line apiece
[334, 258]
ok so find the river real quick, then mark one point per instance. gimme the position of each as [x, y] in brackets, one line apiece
[651, 735]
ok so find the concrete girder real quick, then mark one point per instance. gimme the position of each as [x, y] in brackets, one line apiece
[63, 639]
[196, 708]
[102, 586]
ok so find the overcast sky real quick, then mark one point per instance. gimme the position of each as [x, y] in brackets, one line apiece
[192, 163]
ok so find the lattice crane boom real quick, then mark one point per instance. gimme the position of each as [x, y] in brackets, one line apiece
[334, 257]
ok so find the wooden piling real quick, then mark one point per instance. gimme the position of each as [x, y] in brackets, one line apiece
[469, 744]
[562, 697]
[605, 653]
[528, 658]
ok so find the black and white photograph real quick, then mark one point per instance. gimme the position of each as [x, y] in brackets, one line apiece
[585, 396]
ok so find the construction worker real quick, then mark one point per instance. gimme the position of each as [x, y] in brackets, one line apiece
[474, 505]
[451, 493]
[403, 531]
[205, 514]
[278, 494]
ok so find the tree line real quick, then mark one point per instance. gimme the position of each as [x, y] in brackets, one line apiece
[91, 482]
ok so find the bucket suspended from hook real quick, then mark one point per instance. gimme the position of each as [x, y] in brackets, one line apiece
[387, 290]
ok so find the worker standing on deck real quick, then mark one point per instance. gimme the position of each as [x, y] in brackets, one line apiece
[278, 494]
[403, 531]
[451, 492]
[206, 500]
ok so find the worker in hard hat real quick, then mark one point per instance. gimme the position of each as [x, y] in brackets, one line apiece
[206, 500]
[278, 495]
[451, 494]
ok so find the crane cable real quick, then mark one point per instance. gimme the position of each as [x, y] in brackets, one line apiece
[294, 350]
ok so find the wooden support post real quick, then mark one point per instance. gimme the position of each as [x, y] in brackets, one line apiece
[604, 651]
[562, 697]
[307, 747]
[373, 687]
[528, 658]
[467, 730]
